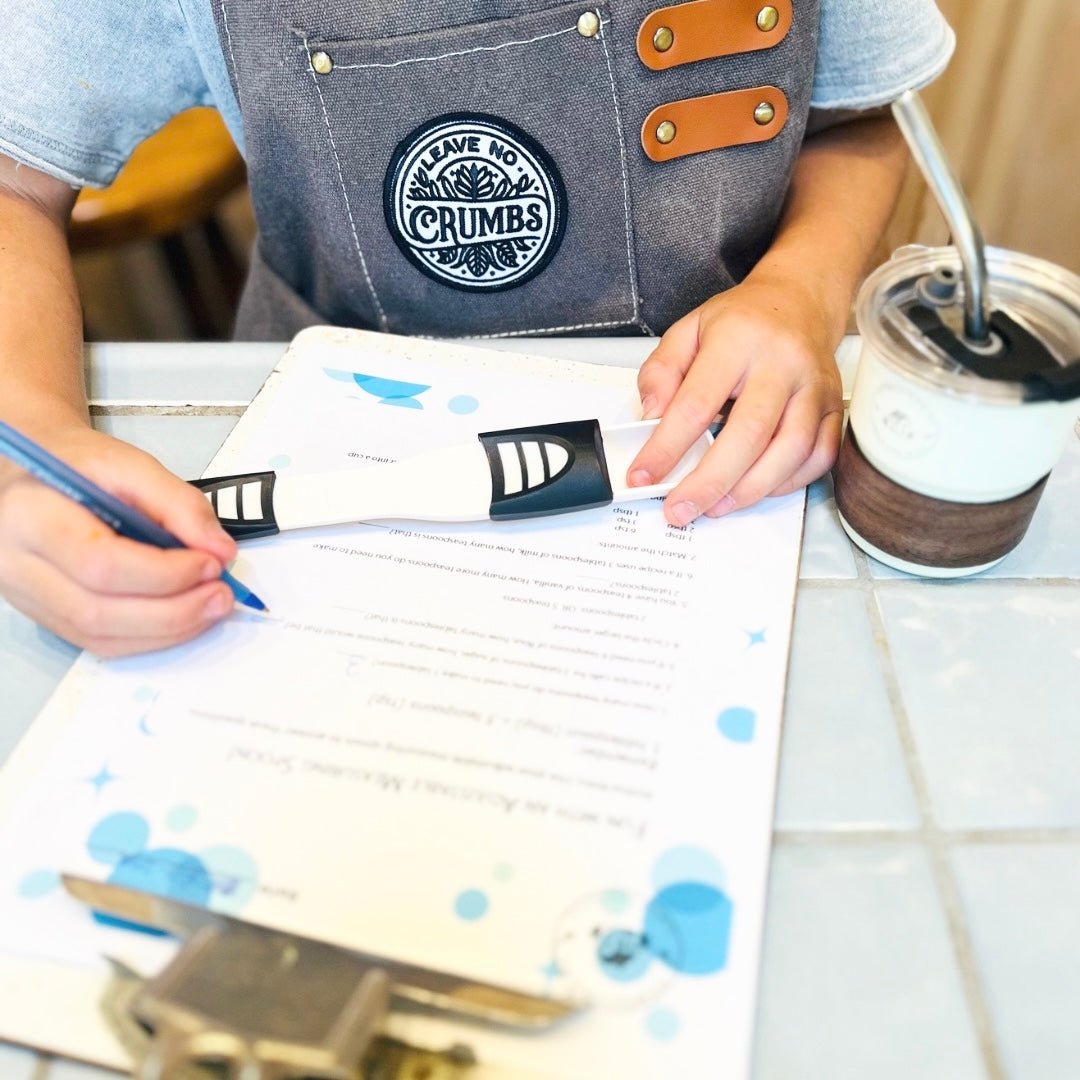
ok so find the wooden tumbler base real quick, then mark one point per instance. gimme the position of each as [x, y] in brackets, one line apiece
[918, 531]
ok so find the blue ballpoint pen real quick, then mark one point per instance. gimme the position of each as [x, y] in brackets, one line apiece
[119, 516]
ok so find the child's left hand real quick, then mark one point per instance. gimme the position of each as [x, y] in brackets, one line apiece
[767, 344]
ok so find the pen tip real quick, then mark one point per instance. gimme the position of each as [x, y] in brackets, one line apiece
[242, 593]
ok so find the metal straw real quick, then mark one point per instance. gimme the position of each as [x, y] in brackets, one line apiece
[929, 154]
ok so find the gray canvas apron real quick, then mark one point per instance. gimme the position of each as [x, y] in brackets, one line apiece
[472, 168]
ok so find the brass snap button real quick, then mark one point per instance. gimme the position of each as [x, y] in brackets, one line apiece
[663, 39]
[665, 131]
[588, 24]
[322, 62]
[767, 18]
[764, 114]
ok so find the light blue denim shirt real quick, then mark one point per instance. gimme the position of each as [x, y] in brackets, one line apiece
[81, 84]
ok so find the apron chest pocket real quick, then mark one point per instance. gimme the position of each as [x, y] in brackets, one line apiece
[481, 175]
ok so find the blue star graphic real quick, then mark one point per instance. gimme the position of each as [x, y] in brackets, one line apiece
[101, 778]
[757, 637]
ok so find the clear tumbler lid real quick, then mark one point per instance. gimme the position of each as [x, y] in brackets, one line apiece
[910, 311]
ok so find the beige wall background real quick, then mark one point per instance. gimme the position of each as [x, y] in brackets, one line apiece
[1007, 110]
[1008, 113]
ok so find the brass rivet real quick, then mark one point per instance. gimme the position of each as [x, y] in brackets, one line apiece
[764, 114]
[665, 131]
[588, 24]
[322, 62]
[767, 18]
[663, 39]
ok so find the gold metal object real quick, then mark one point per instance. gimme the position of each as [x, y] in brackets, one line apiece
[764, 113]
[665, 131]
[663, 39]
[322, 62]
[386, 1058]
[588, 24]
[245, 996]
[767, 18]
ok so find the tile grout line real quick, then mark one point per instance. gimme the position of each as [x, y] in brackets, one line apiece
[853, 837]
[861, 584]
[933, 839]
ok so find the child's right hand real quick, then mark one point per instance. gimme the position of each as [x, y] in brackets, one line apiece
[67, 570]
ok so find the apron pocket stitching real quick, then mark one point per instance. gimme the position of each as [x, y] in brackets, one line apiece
[614, 136]
[379, 310]
[625, 178]
[460, 52]
[635, 321]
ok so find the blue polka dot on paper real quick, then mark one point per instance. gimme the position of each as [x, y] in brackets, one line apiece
[117, 837]
[280, 461]
[38, 883]
[463, 404]
[234, 876]
[662, 1025]
[687, 863]
[181, 818]
[737, 723]
[470, 905]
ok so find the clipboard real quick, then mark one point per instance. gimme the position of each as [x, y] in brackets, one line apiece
[609, 909]
[272, 1006]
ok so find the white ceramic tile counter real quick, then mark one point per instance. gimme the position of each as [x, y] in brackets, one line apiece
[922, 920]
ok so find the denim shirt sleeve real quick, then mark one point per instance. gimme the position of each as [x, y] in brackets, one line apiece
[81, 84]
[870, 51]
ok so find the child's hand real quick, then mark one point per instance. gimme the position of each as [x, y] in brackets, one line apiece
[766, 344]
[64, 568]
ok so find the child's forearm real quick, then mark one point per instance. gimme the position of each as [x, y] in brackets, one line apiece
[41, 368]
[843, 190]
[58, 563]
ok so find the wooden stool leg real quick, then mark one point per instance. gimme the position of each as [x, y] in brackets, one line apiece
[230, 271]
[203, 324]
[210, 292]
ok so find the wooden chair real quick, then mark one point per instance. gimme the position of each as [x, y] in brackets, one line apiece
[174, 183]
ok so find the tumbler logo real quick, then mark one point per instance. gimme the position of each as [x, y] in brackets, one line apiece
[474, 202]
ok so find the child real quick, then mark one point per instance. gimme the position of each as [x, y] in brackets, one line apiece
[715, 173]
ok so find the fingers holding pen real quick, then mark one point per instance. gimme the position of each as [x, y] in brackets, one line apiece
[143, 482]
[110, 624]
[67, 570]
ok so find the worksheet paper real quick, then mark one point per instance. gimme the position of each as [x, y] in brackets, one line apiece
[540, 753]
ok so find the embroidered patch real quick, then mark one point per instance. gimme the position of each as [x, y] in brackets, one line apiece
[474, 202]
